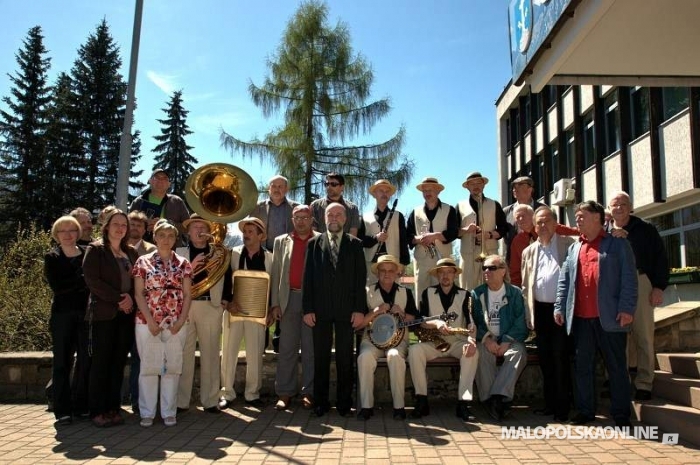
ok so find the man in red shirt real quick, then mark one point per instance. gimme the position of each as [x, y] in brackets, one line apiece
[596, 300]
[285, 296]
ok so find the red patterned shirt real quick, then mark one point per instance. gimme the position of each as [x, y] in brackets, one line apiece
[163, 286]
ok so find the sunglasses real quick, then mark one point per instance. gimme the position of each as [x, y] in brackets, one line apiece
[491, 267]
[332, 183]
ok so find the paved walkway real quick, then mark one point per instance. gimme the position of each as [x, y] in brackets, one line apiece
[248, 436]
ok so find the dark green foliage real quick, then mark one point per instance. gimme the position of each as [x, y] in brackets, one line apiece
[25, 298]
[174, 153]
[323, 87]
[22, 137]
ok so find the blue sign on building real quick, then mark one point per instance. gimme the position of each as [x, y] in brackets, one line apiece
[531, 21]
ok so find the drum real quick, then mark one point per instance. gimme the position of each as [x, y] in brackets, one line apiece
[386, 331]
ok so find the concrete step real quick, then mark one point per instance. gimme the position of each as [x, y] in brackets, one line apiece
[684, 391]
[670, 418]
[687, 365]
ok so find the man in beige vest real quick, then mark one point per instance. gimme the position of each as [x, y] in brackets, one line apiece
[383, 232]
[431, 229]
[204, 321]
[482, 224]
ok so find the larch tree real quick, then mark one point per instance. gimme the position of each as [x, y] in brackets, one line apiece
[323, 89]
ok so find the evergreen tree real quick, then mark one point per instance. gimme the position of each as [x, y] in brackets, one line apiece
[64, 151]
[324, 89]
[174, 153]
[134, 184]
[99, 99]
[22, 130]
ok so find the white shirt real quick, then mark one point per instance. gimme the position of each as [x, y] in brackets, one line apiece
[547, 272]
[496, 301]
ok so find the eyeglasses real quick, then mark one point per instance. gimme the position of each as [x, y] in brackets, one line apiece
[491, 267]
[332, 183]
[301, 218]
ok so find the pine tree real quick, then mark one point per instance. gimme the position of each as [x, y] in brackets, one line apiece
[99, 99]
[134, 184]
[174, 153]
[22, 129]
[323, 89]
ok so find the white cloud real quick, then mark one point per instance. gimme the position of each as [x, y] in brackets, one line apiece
[166, 83]
[213, 123]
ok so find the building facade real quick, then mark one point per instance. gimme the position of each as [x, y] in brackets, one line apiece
[587, 142]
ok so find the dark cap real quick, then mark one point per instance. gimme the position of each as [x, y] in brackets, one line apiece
[523, 180]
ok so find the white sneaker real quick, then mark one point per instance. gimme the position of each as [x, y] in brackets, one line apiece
[170, 421]
[146, 422]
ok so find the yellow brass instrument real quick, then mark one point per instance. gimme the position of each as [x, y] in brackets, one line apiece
[482, 255]
[433, 251]
[434, 335]
[251, 290]
[220, 193]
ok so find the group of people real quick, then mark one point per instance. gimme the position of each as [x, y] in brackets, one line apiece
[335, 274]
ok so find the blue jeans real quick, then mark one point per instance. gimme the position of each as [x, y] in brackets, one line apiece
[588, 336]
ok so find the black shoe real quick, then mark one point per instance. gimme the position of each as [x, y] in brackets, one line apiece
[212, 409]
[463, 411]
[623, 422]
[224, 404]
[543, 411]
[581, 419]
[495, 407]
[276, 344]
[561, 417]
[64, 420]
[422, 408]
[365, 414]
[399, 414]
[642, 394]
[182, 410]
[256, 403]
[320, 411]
[343, 411]
[135, 409]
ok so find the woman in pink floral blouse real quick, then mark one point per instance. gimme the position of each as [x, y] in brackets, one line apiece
[162, 282]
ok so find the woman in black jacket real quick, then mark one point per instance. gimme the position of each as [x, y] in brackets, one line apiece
[110, 316]
[63, 268]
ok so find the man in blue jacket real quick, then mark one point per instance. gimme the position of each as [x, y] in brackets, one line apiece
[499, 315]
[596, 299]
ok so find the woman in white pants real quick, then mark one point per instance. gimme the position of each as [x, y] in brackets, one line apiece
[162, 282]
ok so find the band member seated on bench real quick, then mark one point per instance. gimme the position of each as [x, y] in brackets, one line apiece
[456, 341]
[389, 305]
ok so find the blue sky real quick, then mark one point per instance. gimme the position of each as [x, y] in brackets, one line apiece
[443, 64]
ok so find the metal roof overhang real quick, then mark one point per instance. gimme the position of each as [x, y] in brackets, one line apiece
[622, 43]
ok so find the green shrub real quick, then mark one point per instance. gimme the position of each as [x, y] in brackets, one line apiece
[25, 298]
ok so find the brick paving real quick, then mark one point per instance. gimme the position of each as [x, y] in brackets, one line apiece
[247, 436]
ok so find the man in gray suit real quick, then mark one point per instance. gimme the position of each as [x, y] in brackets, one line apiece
[541, 262]
[285, 296]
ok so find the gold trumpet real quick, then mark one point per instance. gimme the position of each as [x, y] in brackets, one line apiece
[482, 255]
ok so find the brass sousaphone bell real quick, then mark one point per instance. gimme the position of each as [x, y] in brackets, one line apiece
[220, 193]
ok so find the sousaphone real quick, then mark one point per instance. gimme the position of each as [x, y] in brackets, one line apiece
[220, 193]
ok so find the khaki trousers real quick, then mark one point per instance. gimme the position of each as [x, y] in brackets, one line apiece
[204, 325]
[367, 364]
[254, 336]
[640, 343]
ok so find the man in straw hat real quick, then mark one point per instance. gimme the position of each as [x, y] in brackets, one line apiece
[204, 322]
[381, 235]
[482, 224]
[443, 298]
[333, 299]
[499, 314]
[285, 297]
[385, 296]
[249, 256]
[431, 229]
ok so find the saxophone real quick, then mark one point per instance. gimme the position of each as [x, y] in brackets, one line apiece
[435, 336]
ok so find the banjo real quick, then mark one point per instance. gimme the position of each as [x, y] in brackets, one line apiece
[387, 330]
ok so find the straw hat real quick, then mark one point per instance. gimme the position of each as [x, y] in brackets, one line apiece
[387, 259]
[194, 218]
[427, 182]
[473, 177]
[383, 183]
[445, 263]
[254, 221]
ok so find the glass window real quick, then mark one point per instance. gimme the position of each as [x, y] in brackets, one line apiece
[612, 123]
[540, 186]
[514, 133]
[527, 123]
[509, 141]
[665, 222]
[690, 215]
[692, 248]
[672, 243]
[554, 163]
[588, 140]
[675, 99]
[551, 95]
[639, 98]
[537, 102]
[570, 154]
